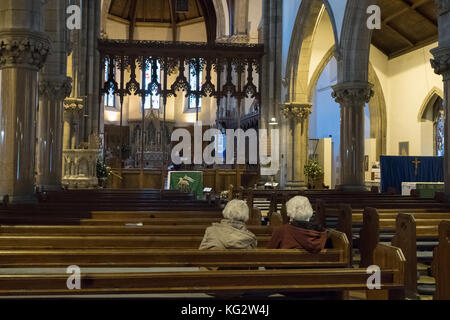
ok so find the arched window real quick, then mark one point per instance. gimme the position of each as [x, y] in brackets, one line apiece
[192, 103]
[155, 100]
[109, 100]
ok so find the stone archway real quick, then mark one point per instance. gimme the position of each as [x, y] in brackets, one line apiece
[300, 49]
[378, 118]
[430, 99]
[297, 80]
[377, 105]
[428, 117]
[222, 16]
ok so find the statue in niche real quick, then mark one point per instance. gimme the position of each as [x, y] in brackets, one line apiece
[151, 132]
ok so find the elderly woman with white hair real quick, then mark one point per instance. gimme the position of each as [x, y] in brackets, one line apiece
[299, 233]
[231, 232]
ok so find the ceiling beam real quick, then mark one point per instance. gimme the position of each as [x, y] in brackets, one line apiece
[111, 6]
[418, 45]
[399, 35]
[173, 20]
[132, 19]
[407, 8]
[416, 10]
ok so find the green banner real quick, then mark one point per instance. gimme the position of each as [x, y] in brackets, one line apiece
[187, 181]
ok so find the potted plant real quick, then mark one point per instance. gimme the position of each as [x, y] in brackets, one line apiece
[103, 172]
[314, 172]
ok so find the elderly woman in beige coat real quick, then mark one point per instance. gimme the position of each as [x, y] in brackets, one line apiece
[231, 232]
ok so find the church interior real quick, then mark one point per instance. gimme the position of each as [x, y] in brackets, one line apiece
[128, 127]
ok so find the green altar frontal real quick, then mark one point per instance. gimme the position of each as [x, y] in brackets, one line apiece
[428, 190]
[187, 181]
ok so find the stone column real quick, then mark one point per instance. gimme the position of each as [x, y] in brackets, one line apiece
[298, 116]
[352, 96]
[54, 86]
[23, 52]
[441, 65]
[52, 92]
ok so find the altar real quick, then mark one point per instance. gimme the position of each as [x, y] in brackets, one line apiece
[425, 189]
[397, 170]
[186, 181]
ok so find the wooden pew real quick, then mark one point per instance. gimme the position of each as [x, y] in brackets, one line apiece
[407, 231]
[441, 263]
[155, 214]
[149, 221]
[343, 213]
[373, 222]
[106, 241]
[184, 230]
[337, 257]
[223, 281]
[170, 258]
[255, 217]
[209, 282]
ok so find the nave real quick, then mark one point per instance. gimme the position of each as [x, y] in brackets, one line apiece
[157, 246]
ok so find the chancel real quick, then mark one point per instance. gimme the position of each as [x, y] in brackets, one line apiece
[125, 139]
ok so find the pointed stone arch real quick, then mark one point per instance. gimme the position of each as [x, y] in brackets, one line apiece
[378, 117]
[319, 70]
[429, 100]
[300, 49]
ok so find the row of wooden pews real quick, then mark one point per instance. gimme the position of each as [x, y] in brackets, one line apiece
[409, 223]
[414, 233]
[170, 238]
[411, 226]
[72, 207]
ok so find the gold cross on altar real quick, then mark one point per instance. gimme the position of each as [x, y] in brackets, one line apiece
[416, 162]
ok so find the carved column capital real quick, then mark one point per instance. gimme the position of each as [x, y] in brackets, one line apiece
[236, 38]
[55, 88]
[23, 49]
[296, 111]
[73, 104]
[353, 93]
[442, 6]
[441, 61]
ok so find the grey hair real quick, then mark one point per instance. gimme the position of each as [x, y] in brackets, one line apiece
[236, 210]
[299, 209]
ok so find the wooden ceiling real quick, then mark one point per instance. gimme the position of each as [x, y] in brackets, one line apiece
[157, 11]
[407, 25]
[163, 13]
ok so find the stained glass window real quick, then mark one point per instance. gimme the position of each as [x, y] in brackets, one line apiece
[193, 85]
[439, 124]
[109, 100]
[155, 100]
[440, 134]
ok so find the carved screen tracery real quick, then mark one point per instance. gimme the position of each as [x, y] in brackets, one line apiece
[194, 70]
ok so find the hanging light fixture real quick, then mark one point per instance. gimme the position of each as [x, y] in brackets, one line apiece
[273, 121]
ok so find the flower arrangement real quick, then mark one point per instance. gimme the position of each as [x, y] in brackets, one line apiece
[312, 170]
[103, 171]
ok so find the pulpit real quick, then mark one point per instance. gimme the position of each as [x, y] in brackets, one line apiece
[79, 168]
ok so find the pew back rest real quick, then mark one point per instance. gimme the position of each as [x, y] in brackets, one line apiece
[441, 263]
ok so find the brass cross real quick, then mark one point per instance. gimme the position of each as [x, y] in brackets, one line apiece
[416, 162]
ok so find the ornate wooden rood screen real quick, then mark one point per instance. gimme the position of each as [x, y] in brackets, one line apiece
[224, 71]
